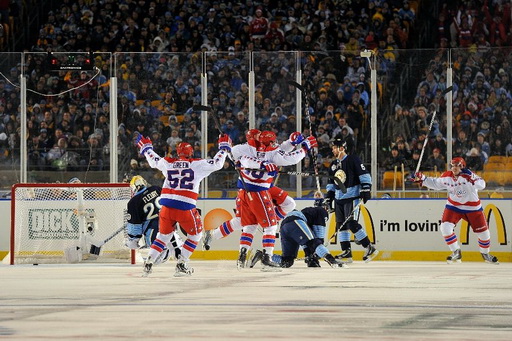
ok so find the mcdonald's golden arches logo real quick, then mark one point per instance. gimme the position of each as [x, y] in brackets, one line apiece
[499, 222]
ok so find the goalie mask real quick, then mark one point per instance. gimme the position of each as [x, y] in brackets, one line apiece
[138, 183]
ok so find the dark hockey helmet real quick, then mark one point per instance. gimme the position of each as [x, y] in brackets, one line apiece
[339, 141]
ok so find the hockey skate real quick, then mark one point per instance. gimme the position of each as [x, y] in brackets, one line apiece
[207, 240]
[312, 262]
[370, 253]
[182, 269]
[455, 257]
[242, 258]
[148, 267]
[333, 262]
[488, 258]
[256, 258]
[345, 256]
[268, 264]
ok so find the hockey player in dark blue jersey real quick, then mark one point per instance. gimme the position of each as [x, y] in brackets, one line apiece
[143, 209]
[358, 183]
[306, 229]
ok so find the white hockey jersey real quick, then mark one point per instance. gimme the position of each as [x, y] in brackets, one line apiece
[250, 157]
[183, 177]
[462, 194]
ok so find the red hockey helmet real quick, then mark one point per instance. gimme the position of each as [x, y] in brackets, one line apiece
[267, 138]
[185, 150]
[458, 162]
[252, 136]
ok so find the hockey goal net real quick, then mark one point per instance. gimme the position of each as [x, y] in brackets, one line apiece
[69, 223]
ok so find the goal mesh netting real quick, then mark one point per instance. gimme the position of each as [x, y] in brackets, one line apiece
[58, 223]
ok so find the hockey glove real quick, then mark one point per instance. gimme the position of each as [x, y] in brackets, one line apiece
[144, 144]
[466, 171]
[296, 138]
[271, 168]
[225, 142]
[365, 192]
[309, 143]
[330, 195]
[468, 175]
[419, 177]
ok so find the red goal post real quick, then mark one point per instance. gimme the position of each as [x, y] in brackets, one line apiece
[63, 223]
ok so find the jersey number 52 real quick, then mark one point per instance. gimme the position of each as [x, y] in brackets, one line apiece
[183, 179]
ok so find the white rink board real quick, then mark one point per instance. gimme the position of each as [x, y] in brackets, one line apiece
[396, 225]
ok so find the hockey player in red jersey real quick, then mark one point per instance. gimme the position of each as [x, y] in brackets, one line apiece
[463, 203]
[179, 194]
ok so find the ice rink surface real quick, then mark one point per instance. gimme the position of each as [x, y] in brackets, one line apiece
[381, 300]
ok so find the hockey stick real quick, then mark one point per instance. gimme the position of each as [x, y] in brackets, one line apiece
[350, 216]
[95, 249]
[312, 152]
[428, 132]
[230, 155]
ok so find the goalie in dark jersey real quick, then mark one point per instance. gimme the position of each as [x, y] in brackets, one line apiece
[357, 182]
[143, 210]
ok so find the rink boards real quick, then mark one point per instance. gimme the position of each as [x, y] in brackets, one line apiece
[402, 229]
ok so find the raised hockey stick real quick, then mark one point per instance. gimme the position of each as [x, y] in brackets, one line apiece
[230, 155]
[95, 249]
[428, 132]
[306, 111]
[350, 216]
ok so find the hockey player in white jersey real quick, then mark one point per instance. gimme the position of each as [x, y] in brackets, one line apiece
[282, 201]
[463, 203]
[255, 201]
[179, 195]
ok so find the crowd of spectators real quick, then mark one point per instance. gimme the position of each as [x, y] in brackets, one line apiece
[159, 77]
[482, 100]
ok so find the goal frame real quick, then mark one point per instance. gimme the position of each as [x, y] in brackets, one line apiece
[14, 187]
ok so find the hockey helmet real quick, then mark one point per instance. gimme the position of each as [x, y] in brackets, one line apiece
[458, 162]
[252, 136]
[74, 181]
[138, 183]
[339, 141]
[267, 138]
[185, 150]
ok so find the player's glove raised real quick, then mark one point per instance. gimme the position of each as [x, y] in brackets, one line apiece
[225, 142]
[309, 143]
[468, 175]
[419, 177]
[296, 138]
[144, 144]
[365, 192]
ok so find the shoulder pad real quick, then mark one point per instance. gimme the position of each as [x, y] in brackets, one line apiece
[447, 174]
